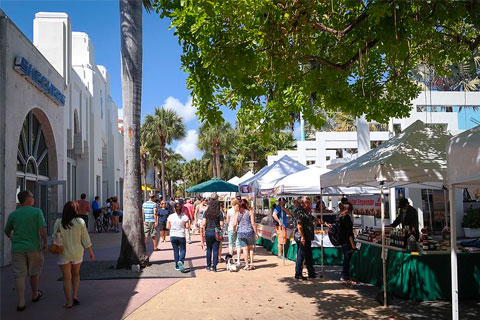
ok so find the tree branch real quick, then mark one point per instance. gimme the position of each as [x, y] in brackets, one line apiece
[340, 33]
[348, 63]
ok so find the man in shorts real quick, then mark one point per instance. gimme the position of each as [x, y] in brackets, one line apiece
[280, 220]
[150, 220]
[25, 226]
[84, 208]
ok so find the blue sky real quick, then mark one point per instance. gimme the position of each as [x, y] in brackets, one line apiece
[163, 80]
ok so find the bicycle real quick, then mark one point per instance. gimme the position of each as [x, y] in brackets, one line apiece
[99, 226]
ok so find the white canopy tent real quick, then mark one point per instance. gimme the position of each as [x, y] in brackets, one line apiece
[416, 158]
[307, 182]
[246, 176]
[268, 176]
[463, 158]
[234, 180]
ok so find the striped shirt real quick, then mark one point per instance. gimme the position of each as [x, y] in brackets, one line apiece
[149, 208]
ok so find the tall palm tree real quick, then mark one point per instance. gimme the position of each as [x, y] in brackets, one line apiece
[215, 138]
[173, 168]
[164, 126]
[133, 249]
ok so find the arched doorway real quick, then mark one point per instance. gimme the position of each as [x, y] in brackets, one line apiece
[32, 154]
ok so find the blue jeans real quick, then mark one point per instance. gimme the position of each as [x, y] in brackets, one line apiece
[178, 244]
[212, 245]
[347, 255]
[304, 252]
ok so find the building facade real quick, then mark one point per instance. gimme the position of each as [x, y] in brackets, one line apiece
[59, 125]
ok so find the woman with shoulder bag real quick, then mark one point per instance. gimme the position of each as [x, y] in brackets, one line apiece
[212, 225]
[75, 239]
[246, 232]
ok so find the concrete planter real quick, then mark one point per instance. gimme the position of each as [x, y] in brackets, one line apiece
[472, 233]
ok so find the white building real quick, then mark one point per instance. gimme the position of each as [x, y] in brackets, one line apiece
[329, 148]
[59, 126]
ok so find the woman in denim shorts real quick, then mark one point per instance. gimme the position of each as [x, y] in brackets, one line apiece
[246, 232]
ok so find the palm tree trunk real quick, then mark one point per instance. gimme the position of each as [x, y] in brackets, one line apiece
[133, 249]
[217, 160]
[214, 164]
[162, 157]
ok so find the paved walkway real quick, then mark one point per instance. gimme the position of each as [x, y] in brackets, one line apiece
[265, 293]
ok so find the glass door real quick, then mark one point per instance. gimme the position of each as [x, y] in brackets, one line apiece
[50, 197]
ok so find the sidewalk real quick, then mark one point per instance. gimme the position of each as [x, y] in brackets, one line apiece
[269, 292]
[108, 299]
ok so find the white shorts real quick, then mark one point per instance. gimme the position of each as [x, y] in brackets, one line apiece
[62, 261]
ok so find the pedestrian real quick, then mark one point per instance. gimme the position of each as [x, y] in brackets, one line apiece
[178, 223]
[84, 208]
[304, 236]
[199, 215]
[108, 213]
[222, 232]
[232, 233]
[280, 220]
[27, 230]
[346, 239]
[407, 217]
[246, 232]
[115, 214]
[96, 208]
[75, 239]
[187, 213]
[162, 214]
[150, 220]
[212, 224]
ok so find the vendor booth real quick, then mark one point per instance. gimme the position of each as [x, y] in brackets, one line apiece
[463, 158]
[416, 158]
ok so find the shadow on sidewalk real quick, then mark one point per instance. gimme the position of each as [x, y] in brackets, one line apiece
[335, 300]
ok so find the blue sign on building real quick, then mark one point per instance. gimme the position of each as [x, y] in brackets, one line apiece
[26, 69]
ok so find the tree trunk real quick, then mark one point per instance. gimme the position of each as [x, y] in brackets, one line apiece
[214, 164]
[162, 157]
[132, 249]
[217, 160]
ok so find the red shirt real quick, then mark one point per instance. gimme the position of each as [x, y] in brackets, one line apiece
[188, 210]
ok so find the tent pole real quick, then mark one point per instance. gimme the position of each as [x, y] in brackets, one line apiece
[384, 268]
[453, 254]
[321, 226]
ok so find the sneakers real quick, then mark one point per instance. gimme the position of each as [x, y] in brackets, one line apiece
[180, 266]
[300, 278]
[208, 268]
[177, 268]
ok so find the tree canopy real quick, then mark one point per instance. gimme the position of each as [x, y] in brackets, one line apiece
[271, 59]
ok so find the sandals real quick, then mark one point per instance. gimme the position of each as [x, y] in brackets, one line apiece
[39, 295]
[76, 302]
[249, 267]
[21, 308]
[67, 306]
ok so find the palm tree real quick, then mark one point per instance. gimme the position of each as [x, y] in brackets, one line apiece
[173, 168]
[164, 126]
[215, 138]
[133, 249]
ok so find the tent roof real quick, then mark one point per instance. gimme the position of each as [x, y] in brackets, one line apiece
[463, 157]
[213, 185]
[307, 182]
[414, 158]
[268, 176]
[246, 176]
[234, 180]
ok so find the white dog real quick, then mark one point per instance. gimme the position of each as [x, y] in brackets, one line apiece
[230, 262]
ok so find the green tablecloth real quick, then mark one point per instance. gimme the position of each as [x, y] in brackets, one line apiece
[417, 277]
[331, 256]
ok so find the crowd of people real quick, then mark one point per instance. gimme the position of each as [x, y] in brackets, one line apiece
[207, 217]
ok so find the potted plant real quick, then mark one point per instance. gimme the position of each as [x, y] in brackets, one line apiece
[471, 223]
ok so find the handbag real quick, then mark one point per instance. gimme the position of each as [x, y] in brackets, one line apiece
[218, 235]
[56, 247]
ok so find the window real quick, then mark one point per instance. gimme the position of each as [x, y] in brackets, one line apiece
[310, 162]
[32, 152]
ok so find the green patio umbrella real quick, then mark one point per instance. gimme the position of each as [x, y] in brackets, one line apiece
[214, 185]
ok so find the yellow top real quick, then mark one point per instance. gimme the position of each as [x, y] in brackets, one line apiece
[74, 240]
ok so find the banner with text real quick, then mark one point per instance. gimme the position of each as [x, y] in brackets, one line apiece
[366, 205]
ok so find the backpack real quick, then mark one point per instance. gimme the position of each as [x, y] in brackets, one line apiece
[334, 233]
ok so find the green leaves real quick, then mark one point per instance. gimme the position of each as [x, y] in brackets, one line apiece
[267, 58]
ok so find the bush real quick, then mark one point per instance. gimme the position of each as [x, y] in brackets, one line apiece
[472, 219]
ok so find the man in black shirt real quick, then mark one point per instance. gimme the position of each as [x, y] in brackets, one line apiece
[408, 217]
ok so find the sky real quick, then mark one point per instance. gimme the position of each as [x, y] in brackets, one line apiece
[164, 83]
